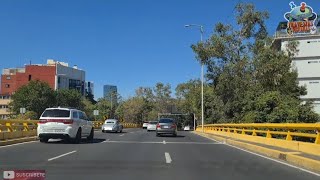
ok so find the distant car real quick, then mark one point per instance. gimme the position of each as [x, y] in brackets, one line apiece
[111, 125]
[64, 123]
[152, 125]
[166, 126]
[145, 125]
[186, 128]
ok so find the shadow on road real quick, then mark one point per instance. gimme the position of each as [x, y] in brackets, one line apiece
[170, 136]
[83, 141]
[123, 132]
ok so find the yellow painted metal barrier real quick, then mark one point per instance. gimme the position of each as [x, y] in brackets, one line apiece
[98, 124]
[287, 131]
[304, 137]
[10, 129]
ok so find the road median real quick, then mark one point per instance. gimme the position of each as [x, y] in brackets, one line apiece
[295, 158]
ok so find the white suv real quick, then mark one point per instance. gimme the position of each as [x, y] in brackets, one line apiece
[64, 123]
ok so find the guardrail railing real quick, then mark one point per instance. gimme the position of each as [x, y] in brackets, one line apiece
[29, 125]
[10, 129]
[304, 132]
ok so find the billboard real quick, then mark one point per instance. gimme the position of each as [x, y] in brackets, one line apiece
[301, 19]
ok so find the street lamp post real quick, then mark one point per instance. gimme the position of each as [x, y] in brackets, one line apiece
[202, 79]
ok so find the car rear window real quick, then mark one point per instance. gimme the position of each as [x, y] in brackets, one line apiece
[166, 121]
[110, 122]
[56, 113]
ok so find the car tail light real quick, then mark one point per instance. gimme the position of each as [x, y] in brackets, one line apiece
[68, 121]
[42, 121]
[173, 126]
[158, 126]
[64, 121]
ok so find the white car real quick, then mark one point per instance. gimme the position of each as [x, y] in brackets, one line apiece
[145, 125]
[152, 126]
[186, 128]
[111, 125]
[64, 123]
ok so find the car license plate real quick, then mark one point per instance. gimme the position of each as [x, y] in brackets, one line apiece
[165, 127]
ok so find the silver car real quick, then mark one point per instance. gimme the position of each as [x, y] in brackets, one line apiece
[166, 126]
[111, 125]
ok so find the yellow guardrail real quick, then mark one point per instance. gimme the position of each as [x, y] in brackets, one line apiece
[10, 129]
[293, 131]
[98, 124]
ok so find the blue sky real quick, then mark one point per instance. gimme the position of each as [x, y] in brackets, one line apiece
[124, 43]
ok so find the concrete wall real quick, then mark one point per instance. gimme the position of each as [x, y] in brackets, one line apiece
[308, 46]
[307, 67]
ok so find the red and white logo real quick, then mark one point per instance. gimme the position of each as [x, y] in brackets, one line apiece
[8, 175]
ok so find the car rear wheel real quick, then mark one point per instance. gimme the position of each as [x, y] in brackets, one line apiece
[90, 137]
[175, 135]
[44, 140]
[158, 134]
[77, 139]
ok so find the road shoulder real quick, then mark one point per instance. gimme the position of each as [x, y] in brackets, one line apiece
[294, 158]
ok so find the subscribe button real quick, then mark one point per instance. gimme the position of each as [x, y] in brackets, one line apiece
[24, 175]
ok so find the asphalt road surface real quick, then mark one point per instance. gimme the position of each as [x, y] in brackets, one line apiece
[138, 154]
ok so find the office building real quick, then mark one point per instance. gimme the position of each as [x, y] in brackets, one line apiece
[89, 87]
[110, 92]
[306, 31]
[57, 74]
[4, 106]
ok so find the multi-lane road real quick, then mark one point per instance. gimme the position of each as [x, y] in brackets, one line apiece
[138, 154]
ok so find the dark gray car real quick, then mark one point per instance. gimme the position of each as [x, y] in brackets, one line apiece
[166, 126]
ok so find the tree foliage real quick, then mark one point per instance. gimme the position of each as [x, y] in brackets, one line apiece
[249, 80]
[36, 96]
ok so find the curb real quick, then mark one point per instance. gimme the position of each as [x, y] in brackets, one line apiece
[15, 141]
[289, 157]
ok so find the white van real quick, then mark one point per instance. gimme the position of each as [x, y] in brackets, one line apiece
[64, 123]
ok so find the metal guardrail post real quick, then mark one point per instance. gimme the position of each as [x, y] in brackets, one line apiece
[317, 141]
[254, 132]
[25, 126]
[289, 137]
[268, 134]
[9, 127]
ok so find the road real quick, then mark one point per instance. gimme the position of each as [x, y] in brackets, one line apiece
[138, 154]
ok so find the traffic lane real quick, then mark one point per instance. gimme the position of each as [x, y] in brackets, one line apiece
[130, 134]
[112, 161]
[182, 136]
[138, 156]
[225, 162]
[33, 154]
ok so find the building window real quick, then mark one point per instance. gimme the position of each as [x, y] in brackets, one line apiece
[30, 77]
[314, 82]
[309, 62]
[8, 77]
[7, 85]
[59, 80]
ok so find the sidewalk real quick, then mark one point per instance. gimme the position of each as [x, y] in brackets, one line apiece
[298, 158]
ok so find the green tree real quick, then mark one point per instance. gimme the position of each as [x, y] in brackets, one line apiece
[250, 81]
[90, 97]
[36, 96]
[69, 98]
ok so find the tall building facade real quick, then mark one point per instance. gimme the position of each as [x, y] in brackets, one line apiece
[110, 92]
[57, 74]
[306, 32]
[4, 106]
[89, 87]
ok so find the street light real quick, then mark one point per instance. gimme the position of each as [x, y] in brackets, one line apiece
[201, 36]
